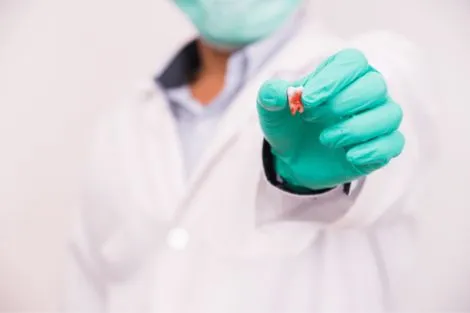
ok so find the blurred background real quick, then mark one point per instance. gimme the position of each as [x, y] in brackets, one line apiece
[62, 63]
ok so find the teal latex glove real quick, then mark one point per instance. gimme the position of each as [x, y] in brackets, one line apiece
[348, 129]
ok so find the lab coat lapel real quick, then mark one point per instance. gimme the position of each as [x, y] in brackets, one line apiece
[159, 127]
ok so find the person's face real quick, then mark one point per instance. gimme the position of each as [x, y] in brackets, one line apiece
[235, 23]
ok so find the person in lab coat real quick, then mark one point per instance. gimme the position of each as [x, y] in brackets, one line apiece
[205, 194]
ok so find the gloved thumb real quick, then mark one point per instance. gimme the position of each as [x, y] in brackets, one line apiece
[274, 113]
[272, 99]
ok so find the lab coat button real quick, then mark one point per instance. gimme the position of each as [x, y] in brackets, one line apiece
[178, 238]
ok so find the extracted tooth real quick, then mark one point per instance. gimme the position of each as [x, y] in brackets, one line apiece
[294, 96]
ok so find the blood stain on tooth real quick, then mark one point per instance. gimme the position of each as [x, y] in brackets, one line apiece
[294, 96]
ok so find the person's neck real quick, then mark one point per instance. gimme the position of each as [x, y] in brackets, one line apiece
[211, 77]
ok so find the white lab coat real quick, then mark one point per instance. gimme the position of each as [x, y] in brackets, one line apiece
[148, 240]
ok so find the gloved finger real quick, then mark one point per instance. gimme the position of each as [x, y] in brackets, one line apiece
[372, 155]
[360, 128]
[338, 72]
[365, 93]
[272, 100]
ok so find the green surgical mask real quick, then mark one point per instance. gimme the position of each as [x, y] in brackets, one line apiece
[236, 23]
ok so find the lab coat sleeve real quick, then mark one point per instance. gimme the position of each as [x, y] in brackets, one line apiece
[369, 198]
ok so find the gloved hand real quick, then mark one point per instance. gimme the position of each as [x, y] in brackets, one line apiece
[348, 128]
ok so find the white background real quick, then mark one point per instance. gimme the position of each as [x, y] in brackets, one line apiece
[63, 62]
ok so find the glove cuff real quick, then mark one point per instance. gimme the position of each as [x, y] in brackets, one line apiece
[280, 182]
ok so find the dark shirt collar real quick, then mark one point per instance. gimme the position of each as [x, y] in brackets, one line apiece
[182, 68]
